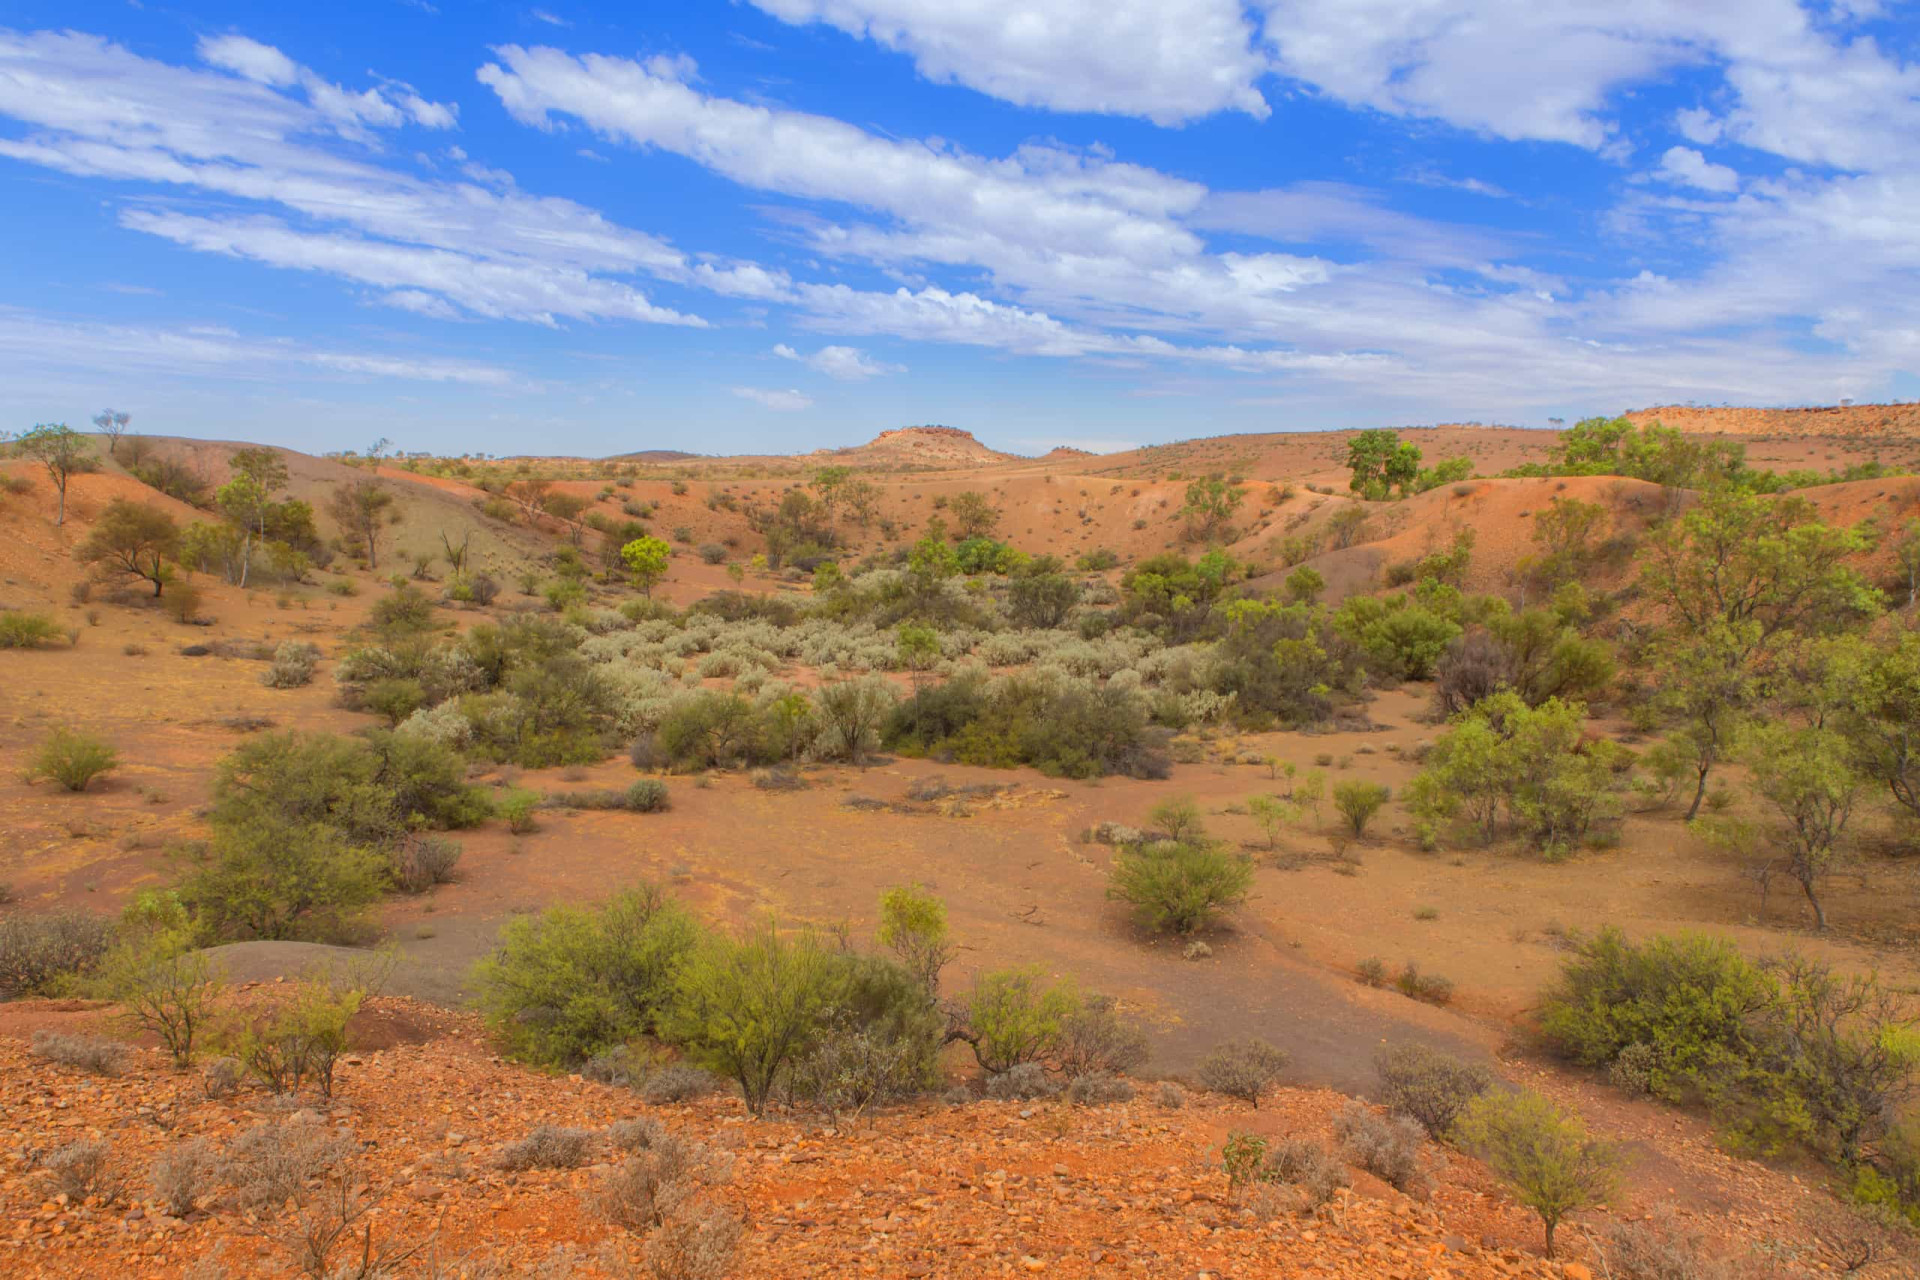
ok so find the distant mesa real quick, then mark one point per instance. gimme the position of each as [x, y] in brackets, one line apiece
[925, 445]
[655, 455]
[1067, 451]
[1896, 419]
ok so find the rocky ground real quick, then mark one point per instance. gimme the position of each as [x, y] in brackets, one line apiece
[933, 1189]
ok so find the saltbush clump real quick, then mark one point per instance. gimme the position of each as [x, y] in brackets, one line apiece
[1243, 1069]
[1388, 1147]
[1429, 1086]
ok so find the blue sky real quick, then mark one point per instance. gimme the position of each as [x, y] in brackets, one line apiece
[783, 224]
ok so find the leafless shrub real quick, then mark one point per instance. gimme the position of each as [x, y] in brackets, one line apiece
[637, 1134]
[619, 1067]
[678, 1083]
[102, 1057]
[1097, 1088]
[657, 1193]
[1024, 1082]
[184, 1174]
[79, 1169]
[1388, 1147]
[696, 1243]
[1095, 1038]
[853, 1067]
[332, 1214]
[1428, 1085]
[547, 1146]
[269, 1163]
[1299, 1162]
[220, 1077]
[36, 950]
[1664, 1248]
[1170, 1095]
[423, 861]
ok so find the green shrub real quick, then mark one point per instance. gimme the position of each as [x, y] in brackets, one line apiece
[301, 1040]
[851, 714]
[750, 1008]
[1179, 887]
[1534, 763]
[1015, 1016]
[305, 827]
[1543, 1155]
[517, 807]
[1429, 988]
[1357, 802]
[163, 986]
[27, 630]
[1690, 1000]
[407, 611]
[396, 699]
[72, 759]
[709, 730]
[39, 951]
[575, 981]
[647, 795]
[913, 926]
[1243, 1069]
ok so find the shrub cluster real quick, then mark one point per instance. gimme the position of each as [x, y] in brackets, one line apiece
[38, 951]
[1785, 1052]
[1507, 766]
[308, 829]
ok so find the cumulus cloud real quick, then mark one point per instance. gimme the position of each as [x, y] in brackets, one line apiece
[845, 364]
[788, 401]
[1168, 61]
[1688, 167]
[1794, 87]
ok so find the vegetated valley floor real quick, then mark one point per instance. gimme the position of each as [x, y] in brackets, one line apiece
[929, 1190]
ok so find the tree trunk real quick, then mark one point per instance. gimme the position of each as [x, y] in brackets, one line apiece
[1550, 1226]
[62, 517]
[1819, 912]
[1699, 793]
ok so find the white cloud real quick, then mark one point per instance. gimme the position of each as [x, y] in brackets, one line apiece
[1166, 60]
[1081, 255]
[387, 107]
[1689, 168]
[418, 276]
[551, 19]
[845, 364]
[1550, 71]
[31, 342]
[486, 248]
[788, 401]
